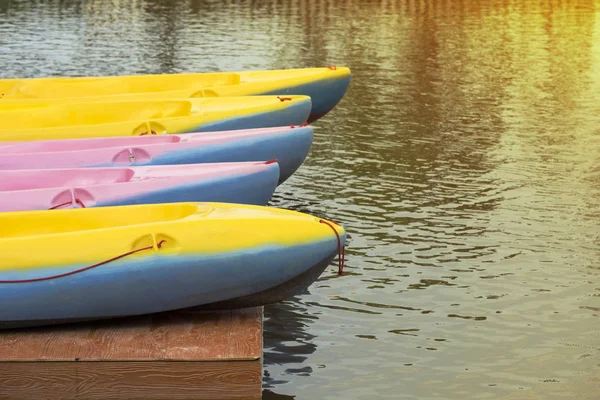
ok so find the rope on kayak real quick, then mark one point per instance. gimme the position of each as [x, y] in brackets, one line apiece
[66, 203]
[341, 249]
[301, 125]
[159, 244]
[334, 68]
[284, 98]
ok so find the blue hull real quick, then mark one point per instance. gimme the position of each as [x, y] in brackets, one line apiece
[155, 283]
[325, 95]
[295, 114]
[255, 189]
[290, 149]
[281, 292]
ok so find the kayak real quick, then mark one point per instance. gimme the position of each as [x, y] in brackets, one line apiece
[288, 145]
[326, 86]
[152, 258]
[46, 120]
[50, 189]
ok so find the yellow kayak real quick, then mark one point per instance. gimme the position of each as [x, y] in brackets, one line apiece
[44, 119]
[326, 86]
[89, 263]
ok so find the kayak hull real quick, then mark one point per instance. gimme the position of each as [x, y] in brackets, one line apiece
[152, 258]
[255, 189]
[295, 286]
[295, 114]
[290, 149]
[289, 146]
[44, 121]
[325, 95]
[326, 86]
[129, 288]
[241, 183]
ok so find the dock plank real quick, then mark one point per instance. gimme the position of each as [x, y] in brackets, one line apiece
[130, 380]
[246, 331]
[184, 354]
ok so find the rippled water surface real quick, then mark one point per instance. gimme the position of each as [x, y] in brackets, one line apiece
[464, 161]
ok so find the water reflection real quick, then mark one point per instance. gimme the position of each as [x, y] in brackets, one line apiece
[463, 163]
[286, 342]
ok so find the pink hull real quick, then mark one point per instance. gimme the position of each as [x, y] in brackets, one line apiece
[88, 187]
[289, 145]
[206, 138]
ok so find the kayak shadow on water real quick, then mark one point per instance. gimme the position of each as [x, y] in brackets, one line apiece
[286, 343]
[268, 395]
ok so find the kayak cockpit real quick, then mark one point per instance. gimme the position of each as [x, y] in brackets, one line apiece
[34, 223]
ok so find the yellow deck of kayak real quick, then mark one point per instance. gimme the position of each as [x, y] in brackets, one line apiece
[38, 239]
[45, 119]
[219, 84]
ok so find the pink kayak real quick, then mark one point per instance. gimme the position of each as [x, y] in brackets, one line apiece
[289, 145]
[243, 183]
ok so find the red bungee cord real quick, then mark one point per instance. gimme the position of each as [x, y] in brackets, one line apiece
[301, 125]
[341, 249]
[46, 278]
[66, 203]
[152, 132]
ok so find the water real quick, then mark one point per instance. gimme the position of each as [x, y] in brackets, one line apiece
[464, 162]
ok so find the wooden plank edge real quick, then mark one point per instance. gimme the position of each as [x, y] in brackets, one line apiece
[113, 380]
[151, 360]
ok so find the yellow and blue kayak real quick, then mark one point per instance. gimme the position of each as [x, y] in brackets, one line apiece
[326, 86]
[94, 263]
[45, 120]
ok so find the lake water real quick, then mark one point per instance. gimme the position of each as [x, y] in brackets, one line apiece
[464, 162]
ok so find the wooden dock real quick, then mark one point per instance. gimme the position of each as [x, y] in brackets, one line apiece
[180, 355]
